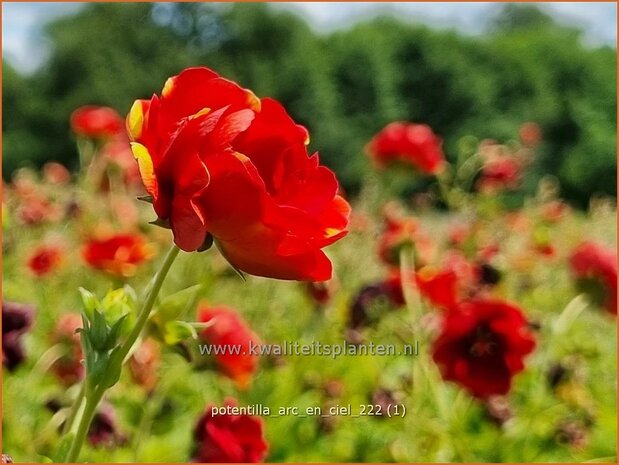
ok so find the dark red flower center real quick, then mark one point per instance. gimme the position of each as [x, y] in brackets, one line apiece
[483, 342]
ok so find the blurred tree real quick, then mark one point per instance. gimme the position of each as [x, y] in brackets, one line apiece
[345, 85]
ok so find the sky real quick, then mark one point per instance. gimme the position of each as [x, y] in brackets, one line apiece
[25, 47]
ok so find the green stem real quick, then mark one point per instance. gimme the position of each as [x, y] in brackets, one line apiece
[94, 396]
[77, 403]
[149, 303]
[82, 431]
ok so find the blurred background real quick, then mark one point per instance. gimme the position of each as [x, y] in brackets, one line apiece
[471, 71]
[344, 70]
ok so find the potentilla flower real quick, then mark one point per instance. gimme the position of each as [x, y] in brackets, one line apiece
[459, 234]
[402, 232]
[68, 368]
[371, 299]
[454, 280]
[227, 329]
[117, 154]
[96, 122]
[144, 364]
[439, 285]
[35, 209]
[545, 249]
[320, 292]
[482, 345]
[118, 255]
[103, 431]
[55, 173]
[217, 160]
[16, 321]
[530, 134]
[554, 211]
[408, 143]
[595, 268]
[500, 173]
[229, 438]
[45, 260]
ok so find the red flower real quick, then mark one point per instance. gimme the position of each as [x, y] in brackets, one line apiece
[320, 292]
[363, 311]
[96, 122]
[68, 368]
[545, 249]
[117, 154]
[144, 364]
[401, 232]
[482, 346]
[17, 320]
[530, 134]
[44, 260]
[219, 161]
[229, 438]
[554, 211]
[595, 268]
[439, 286]
[500, 173]
[35, 209]
[230, 333]
[103, 431]
[117, 255]
[453, 281]
[414, 144]
[55, 173]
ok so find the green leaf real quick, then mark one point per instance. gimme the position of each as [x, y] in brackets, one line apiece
[172, 306]
[99, 331]
[132, 296]
[113, 369]
[64, 445]
[89, 353]
[178, 331]
[89, 301]
[161, 223]
[145, 198]
[112, 337]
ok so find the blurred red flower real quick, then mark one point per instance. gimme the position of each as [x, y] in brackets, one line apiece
[35, 209]
[482, 345]
[96, 122]
[409, 143]
[229, 438]
[530, 134]
[144, 364]
[229, 332]
[103, 431]
[499, 173]
[68, 368]
[400, 232]
[320, 292]
[554, 211]
[439, 286]
[117, 154]
[45, 260]
[55, 173]
[595, 268]
[217, 160]
[118, 255]
[17, 319]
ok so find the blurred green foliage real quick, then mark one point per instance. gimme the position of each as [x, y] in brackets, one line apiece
[344, 85]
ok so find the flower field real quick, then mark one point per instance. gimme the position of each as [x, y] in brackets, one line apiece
[108, 328]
